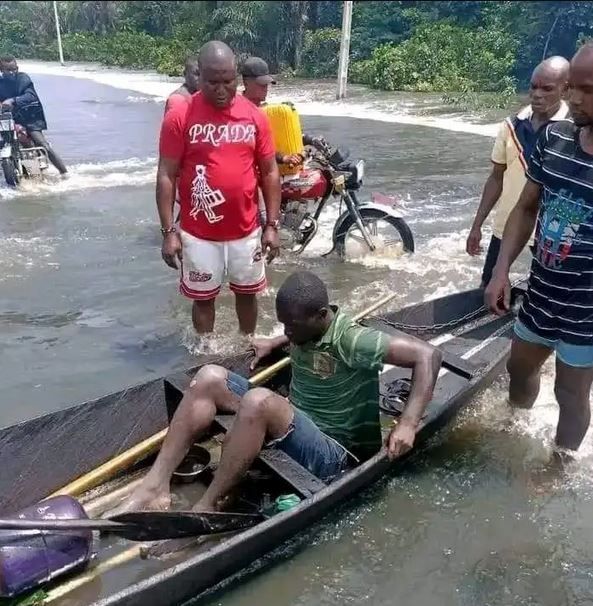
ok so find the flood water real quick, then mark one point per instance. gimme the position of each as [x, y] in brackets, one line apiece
[87, 307]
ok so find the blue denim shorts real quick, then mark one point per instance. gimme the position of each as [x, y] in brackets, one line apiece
[578, 356]
[304, 441]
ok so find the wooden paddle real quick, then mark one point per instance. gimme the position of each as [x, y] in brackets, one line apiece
[139, 525]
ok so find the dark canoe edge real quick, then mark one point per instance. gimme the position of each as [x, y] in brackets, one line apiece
[201, 572]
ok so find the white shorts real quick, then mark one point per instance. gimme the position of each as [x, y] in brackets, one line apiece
[205, 263]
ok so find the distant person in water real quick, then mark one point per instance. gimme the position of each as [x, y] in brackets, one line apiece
[557, 310]
[18, 95]
[330, 419]
[191, 84]
[513, 146]
[181, 96]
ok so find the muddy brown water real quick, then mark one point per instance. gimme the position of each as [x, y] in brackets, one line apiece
[88, 307]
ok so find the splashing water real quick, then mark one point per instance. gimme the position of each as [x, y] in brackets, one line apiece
[121, 173]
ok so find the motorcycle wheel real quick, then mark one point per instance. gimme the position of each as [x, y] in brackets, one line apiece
[11, 174]
[371, 217]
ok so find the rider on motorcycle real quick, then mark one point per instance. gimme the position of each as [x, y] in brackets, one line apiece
[256, 80]
[18, 95]
[298, 222]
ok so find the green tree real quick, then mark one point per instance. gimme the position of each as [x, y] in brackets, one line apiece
[442, 56]
[401, 43]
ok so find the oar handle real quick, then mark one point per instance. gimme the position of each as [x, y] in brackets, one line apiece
[85, 524]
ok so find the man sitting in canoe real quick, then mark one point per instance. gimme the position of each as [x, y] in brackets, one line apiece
[332, 409]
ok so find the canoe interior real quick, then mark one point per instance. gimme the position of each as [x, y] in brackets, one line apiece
[43, 454]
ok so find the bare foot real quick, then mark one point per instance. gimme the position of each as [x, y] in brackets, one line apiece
[203, 507]
[207, 507]
[551, 475]
[143, 499]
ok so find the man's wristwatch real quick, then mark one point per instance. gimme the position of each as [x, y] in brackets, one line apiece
[273, 224]
[168, 230]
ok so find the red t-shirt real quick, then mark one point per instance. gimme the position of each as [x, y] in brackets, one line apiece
[218, 150]
[176, 99]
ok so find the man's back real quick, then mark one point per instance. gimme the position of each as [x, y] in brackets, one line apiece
[336, 382]
[27, 107]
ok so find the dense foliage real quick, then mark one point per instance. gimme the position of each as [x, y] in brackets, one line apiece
[437, 58]
[455, 46]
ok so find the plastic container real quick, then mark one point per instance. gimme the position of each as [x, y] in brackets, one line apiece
[287, 501]
[30, 559]
[286, 131]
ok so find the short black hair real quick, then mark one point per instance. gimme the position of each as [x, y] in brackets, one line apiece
[303, 291]
[7, 59]
[191, 61]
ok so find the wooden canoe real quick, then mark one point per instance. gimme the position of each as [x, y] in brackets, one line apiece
[43, 454]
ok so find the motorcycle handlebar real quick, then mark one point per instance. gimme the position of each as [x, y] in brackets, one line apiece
[332, 156]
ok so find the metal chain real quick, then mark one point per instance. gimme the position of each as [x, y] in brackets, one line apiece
[444, 325]
[433, 327]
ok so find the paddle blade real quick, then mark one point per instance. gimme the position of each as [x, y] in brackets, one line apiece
[159, 525]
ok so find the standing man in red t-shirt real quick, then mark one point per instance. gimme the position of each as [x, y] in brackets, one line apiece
[211, 150]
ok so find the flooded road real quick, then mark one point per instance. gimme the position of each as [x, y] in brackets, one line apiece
[87, 307]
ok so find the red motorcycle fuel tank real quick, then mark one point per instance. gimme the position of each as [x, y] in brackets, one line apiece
[308, 184]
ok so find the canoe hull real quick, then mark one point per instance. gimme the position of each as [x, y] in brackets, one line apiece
[202, 572]
[76, 440]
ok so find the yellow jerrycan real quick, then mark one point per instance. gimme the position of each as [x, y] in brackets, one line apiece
[286, 131]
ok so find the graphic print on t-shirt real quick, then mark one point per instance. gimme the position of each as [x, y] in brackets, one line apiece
[217, 134]
[560, 222]
[204, 198]
[219, 203]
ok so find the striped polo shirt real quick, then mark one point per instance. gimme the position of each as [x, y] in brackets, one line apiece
[336, 382]
[559, 300]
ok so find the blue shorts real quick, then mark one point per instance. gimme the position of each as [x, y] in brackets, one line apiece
[578, 356]
[304, 441]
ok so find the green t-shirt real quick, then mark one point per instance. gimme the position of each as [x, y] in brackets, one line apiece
[336, 382]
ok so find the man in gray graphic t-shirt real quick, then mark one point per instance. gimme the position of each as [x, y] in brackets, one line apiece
[557, 313]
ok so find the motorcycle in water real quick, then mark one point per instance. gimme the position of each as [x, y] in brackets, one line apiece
[18, 155]
[361, 227]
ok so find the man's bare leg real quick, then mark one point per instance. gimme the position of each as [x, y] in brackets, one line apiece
[572, 389]
[246, 308]
[202, 315]
[524, 367]
[39, 140]
[262, 414]
[207, 393]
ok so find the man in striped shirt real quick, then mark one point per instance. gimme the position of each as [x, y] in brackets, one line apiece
[557, 312]
[332, 410]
